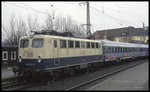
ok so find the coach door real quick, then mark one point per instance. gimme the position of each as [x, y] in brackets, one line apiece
[56, 52]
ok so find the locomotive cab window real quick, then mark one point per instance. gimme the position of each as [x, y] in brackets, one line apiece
[37, 43]
[24, 43]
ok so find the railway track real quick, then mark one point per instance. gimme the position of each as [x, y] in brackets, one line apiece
[14, 83]
[14, 86]
[79, 86]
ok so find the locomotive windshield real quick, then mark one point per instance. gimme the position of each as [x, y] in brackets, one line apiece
[37, 43]
[24, 43]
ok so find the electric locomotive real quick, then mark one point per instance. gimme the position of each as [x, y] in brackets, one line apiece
[48, 53]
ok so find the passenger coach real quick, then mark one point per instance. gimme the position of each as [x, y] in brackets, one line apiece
[119, 50]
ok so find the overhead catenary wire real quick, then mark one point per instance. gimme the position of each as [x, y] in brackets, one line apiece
[27, 8]
[33, 8]
[112, 16]
[128, 12]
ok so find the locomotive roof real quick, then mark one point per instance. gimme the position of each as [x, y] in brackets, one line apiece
[58, 37]
[121, 44]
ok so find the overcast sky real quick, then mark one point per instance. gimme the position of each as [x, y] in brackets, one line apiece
[103, 15]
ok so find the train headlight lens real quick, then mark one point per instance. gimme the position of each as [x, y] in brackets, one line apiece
[39, 59]
[20, 59]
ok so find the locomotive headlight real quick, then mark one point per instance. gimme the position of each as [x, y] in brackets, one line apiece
[20, 59]
[39, 59]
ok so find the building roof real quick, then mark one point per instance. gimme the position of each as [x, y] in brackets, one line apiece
[128, 31]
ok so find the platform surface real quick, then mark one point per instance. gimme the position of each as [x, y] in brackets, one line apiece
[6, 73]
[135, 78]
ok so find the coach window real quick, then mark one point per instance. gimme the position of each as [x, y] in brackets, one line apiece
[88, 44]
[5, 55]
[55, 43]
[37, 43]
[63, 44]
[112, 50]
[24, 43]
[70, 44]
[82, 44]
[119, 49]
[109, 50]
[77, 44]
[92, 44]
[129, 49]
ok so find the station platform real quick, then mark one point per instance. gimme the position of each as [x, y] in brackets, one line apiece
[135, 78]
[6, 73]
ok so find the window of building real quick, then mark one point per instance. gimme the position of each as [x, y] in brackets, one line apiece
[88, 44]
[13, 55]
[82, 44]
[37, 43]
[63, 44]
[5, 55]
[70, 44]
[141, 37]
[24, 43]
[144, 38]
[77, 44]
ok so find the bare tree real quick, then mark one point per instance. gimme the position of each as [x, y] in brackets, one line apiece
[14, 30]
[62, 24]
[33, 23]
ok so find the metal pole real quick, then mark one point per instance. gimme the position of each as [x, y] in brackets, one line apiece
[88, 20]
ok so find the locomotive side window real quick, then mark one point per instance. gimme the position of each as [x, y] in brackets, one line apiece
[77, 44]
[63, 44]
[70, 44]
[24, 43]
[92, 44]
[55, 43]
[96, 45]
[88, 44]
[37, 43]
[82, 44]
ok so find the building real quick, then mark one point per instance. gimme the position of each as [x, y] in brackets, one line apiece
[9, 56]
[126, 34]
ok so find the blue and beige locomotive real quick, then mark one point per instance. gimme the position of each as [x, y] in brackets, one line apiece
[48, 53]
